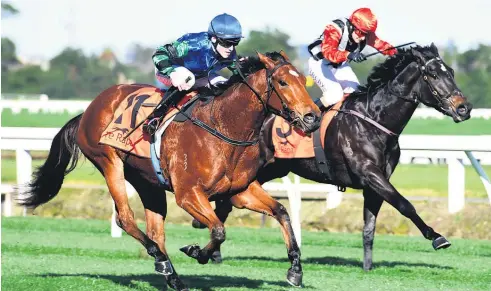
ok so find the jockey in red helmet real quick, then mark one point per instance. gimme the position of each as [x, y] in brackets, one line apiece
[343, 39]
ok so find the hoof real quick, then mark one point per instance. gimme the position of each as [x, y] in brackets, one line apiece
[440, 243]
[197, 224]
[191, 250]
[367, 268]
[294, 279]
[216, 257]
[175, 283]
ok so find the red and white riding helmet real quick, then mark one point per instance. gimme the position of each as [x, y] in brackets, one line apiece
[364, 20]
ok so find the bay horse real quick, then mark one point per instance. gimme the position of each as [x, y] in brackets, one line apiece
[363, 155]
[201, 167]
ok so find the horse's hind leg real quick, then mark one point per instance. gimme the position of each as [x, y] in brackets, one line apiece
[111, 167]
[256, 199]
[196, 203]
[378, 183]
[155, 204]
[371, 207]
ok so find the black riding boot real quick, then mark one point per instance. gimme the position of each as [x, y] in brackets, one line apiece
[153, 120]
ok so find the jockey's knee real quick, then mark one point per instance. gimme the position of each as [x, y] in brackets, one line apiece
[332, 95]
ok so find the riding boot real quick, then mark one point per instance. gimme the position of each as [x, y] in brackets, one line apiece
[319, 104]
[153, 120]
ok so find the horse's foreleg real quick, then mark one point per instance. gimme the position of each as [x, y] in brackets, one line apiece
[371, 207]
[378, 183]
[222, 210]
[196, 203]
[256, 199]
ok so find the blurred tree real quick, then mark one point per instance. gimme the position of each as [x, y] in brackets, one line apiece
[474, 75]
[28, 79]
[75, 75]
[9, 59]
[266, 41]
[140, 57]
[8, 10]
[9, 56]
[364, 69]
[140, 66]
[72, 60]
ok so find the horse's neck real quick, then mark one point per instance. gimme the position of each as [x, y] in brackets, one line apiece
[395, 112]
[392, 106]
[387, 109]
[238, 112]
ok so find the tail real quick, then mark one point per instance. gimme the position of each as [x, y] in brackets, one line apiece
[49, 177]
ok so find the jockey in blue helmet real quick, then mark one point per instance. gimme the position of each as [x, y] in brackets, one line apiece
[193, 60]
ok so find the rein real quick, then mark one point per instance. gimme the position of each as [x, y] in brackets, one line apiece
[424, 72]
[266, 108]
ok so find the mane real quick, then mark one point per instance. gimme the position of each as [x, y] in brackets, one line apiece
[252, 64]
[248, 66]
[385, 72]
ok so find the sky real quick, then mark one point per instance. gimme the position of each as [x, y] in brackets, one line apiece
[43, 28]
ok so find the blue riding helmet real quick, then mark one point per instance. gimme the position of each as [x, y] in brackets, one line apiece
[225, 26]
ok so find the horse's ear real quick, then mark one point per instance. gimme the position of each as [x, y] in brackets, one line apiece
[434, 49]
[283, 54]
[265, 60]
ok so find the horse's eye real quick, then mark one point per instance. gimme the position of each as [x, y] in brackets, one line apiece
[433, 74]
[282, 83]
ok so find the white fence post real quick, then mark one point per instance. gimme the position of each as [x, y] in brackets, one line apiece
[24, 171]
[456, 185]
[116, 231]
[295, 200]
[7, 204]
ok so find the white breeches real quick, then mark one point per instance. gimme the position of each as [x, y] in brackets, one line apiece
[334, 82]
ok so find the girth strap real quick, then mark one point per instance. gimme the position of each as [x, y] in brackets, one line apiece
[320, 155]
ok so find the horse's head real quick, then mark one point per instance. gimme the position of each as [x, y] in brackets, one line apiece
[438, 88]
[286, 93]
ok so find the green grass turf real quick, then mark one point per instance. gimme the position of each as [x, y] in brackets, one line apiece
[69, 254]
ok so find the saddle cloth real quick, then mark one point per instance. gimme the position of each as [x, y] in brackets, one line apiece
[130, 112]
[290, 142]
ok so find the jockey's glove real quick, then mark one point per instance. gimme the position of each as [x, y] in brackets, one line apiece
[182, 78]
[356, 57]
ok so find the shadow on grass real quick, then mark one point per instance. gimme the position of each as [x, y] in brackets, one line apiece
[194, 282]
[338, 261]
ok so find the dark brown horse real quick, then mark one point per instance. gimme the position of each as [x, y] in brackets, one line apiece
[362, 154]
[200, 166]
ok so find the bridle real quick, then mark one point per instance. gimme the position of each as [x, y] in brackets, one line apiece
[423, 69]
[440, 99]
[286, 113]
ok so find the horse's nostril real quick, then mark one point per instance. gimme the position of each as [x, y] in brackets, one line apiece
[309, 118]
[462, 110]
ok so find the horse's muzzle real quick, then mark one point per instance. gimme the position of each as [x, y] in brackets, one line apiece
[309, 123]
[460, 108]
[464, 111]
